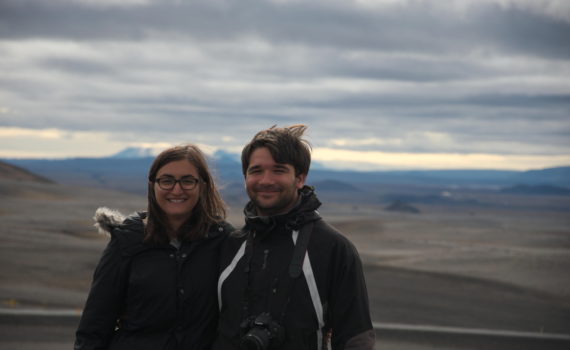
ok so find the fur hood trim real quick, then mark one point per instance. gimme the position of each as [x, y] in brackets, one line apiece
[107, 219]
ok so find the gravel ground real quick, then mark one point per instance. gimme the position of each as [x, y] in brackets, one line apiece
[468, 267]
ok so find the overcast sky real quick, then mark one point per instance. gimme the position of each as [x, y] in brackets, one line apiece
[382, 84]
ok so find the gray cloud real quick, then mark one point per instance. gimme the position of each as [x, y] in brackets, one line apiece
[76, 66]
[420, 26]
[417, 76]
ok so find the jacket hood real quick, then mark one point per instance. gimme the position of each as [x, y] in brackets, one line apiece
[106, 220]
[303, 212]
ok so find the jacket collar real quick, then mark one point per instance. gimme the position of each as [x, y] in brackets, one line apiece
[303, 212]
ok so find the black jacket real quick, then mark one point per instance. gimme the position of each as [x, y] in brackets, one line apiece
[148, 296]
[338, 274]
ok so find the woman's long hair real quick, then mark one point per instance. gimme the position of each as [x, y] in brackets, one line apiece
[209, 209]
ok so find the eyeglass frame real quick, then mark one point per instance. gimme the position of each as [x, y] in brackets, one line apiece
[177, 181]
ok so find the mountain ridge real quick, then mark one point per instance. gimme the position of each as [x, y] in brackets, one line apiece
[13, 172]
[130, 173]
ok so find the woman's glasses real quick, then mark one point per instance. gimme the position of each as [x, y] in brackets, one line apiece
[186, 183]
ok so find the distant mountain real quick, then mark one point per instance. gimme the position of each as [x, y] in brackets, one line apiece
[125, 171]
[136, 152]
[128, 175]
[12, 172]
[226, 166]
[553, 176]
[537, 190]
[334, 185]
[151, 152]
[128, 171]
[450, 178]
[431, 199]
[226, 157]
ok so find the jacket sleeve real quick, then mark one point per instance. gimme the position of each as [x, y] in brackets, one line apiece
[349, 314]
[105, 301]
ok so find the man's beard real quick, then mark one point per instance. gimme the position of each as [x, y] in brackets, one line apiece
[285, 199]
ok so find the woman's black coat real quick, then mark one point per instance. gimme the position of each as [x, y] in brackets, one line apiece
[148, 296]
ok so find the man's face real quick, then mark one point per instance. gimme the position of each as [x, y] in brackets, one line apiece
[272, 187]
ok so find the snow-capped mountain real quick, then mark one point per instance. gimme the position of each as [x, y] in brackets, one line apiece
[137, 152]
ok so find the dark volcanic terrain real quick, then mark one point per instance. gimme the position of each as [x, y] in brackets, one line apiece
[486, 260]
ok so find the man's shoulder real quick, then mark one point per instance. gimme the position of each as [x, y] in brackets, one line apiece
[326, 237]
[323, 230]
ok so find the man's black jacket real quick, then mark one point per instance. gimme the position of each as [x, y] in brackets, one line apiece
[260, 281]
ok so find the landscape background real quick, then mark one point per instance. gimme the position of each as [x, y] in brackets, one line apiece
[440, 135]
[465, 249]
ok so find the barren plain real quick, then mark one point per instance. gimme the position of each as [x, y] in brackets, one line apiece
[495, 267]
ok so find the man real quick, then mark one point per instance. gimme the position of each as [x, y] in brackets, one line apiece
[289, 280]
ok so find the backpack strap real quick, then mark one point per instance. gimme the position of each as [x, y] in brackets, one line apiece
[301, 242]
[301, 262]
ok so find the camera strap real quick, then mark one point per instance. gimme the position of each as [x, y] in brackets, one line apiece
[301, 241]
[296, 267]
[300, 263]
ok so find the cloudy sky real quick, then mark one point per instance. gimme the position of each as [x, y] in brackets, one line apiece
[382, 84]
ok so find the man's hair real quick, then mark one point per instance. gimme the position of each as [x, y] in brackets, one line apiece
[210, 208]
[286, 146]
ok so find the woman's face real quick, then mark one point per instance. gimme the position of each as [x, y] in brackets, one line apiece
[177, 202]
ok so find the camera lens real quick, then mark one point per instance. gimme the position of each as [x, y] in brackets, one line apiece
[255, 339]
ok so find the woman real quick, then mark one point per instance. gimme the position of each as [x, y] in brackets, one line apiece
[155, 285]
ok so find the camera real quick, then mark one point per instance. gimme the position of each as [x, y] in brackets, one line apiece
[260, 331]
